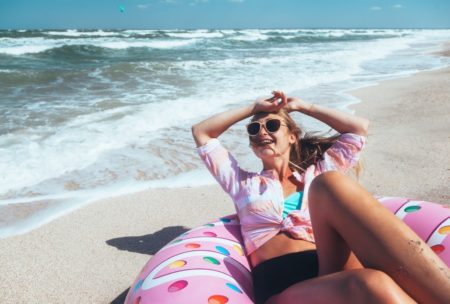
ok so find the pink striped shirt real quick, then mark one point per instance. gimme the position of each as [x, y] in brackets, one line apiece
[258, 197]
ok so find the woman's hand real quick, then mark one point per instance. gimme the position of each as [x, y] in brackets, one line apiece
[271, 104]
[296, 104]
[290, 104]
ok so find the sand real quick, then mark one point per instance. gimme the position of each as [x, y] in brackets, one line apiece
[408, 145]
[93, 255]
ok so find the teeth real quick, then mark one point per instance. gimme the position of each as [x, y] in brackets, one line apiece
[265, 142]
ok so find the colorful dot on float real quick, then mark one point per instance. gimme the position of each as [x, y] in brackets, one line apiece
[412, 209]
[209, 225]
[233, 287]
[444, 230]
[209, 233]
[238, 250]
[211, 260]
[138, 285]
[438, 248]
[176, 241]
[222, 250]
[192, 245]
[177, 264]
[225, 220]
[217, 299]
[177, 286]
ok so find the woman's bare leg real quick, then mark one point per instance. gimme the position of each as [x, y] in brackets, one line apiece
[353, 286]
[347, 218]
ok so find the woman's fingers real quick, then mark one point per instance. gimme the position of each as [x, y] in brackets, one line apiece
[281, 98]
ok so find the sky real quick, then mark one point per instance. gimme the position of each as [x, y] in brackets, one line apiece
[223, 14]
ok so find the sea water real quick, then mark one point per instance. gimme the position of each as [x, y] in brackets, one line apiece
[87, 114]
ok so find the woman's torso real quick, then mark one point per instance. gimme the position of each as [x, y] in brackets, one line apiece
[258, 197]
[279, 245]
[282, 243]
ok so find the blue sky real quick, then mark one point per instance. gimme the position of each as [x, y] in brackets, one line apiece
[169, 14]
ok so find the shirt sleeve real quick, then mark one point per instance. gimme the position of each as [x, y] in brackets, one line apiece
[343, 154]
[222, 165]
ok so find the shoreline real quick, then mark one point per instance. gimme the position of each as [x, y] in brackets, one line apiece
[23, 215]
[93, 254]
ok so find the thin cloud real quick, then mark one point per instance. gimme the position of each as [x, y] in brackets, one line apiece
[375, 8]
[143, 6]
[397, 6]
[197, 2]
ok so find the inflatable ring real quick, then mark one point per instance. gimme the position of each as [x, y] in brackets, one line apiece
[207, 264]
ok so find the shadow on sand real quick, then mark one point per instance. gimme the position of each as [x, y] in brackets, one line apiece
[145, 244]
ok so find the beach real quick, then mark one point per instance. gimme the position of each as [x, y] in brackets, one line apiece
[93, 255]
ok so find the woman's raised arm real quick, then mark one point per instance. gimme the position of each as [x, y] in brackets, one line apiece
[338, 120]
[214, 126]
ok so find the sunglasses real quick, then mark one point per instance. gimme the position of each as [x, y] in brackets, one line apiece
[271, 125]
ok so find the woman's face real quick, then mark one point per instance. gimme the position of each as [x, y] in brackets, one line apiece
[266, 144]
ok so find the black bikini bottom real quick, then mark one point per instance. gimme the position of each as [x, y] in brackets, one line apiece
[275, 275]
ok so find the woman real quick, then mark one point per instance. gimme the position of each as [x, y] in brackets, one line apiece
[312, 235]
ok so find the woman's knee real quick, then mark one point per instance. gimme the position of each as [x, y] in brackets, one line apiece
[326, 181]
[324, 186]
[373, 286]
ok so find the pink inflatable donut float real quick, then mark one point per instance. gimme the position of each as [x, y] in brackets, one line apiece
[207, 264]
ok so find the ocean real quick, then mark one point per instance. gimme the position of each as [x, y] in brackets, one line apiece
[89, 114]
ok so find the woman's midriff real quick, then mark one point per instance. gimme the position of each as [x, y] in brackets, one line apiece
[279, 245]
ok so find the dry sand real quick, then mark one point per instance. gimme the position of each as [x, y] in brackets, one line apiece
[408, 146]
[92, 255]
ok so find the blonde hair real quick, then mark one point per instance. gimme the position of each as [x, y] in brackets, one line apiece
[308, 148]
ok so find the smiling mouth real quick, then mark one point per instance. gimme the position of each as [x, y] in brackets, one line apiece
[264, 142]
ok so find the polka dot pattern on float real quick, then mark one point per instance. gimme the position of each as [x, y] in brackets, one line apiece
[233, 287]
[194, 264]
[177, 264]
[177, 286]
[412, 209]
[444, 230]
[211, 260]
[217, 299]
[192, 245]
[209, 233]
[238, 250]
[138, 285]
[222, 250]
[438, 248]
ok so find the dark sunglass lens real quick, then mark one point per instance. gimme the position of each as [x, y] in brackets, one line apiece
[273, 125]
[253, 128]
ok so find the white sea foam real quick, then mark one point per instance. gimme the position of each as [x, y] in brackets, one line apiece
[249, 35]
[196, 34]
[158, 44]
[21, 46]
[76, 33]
